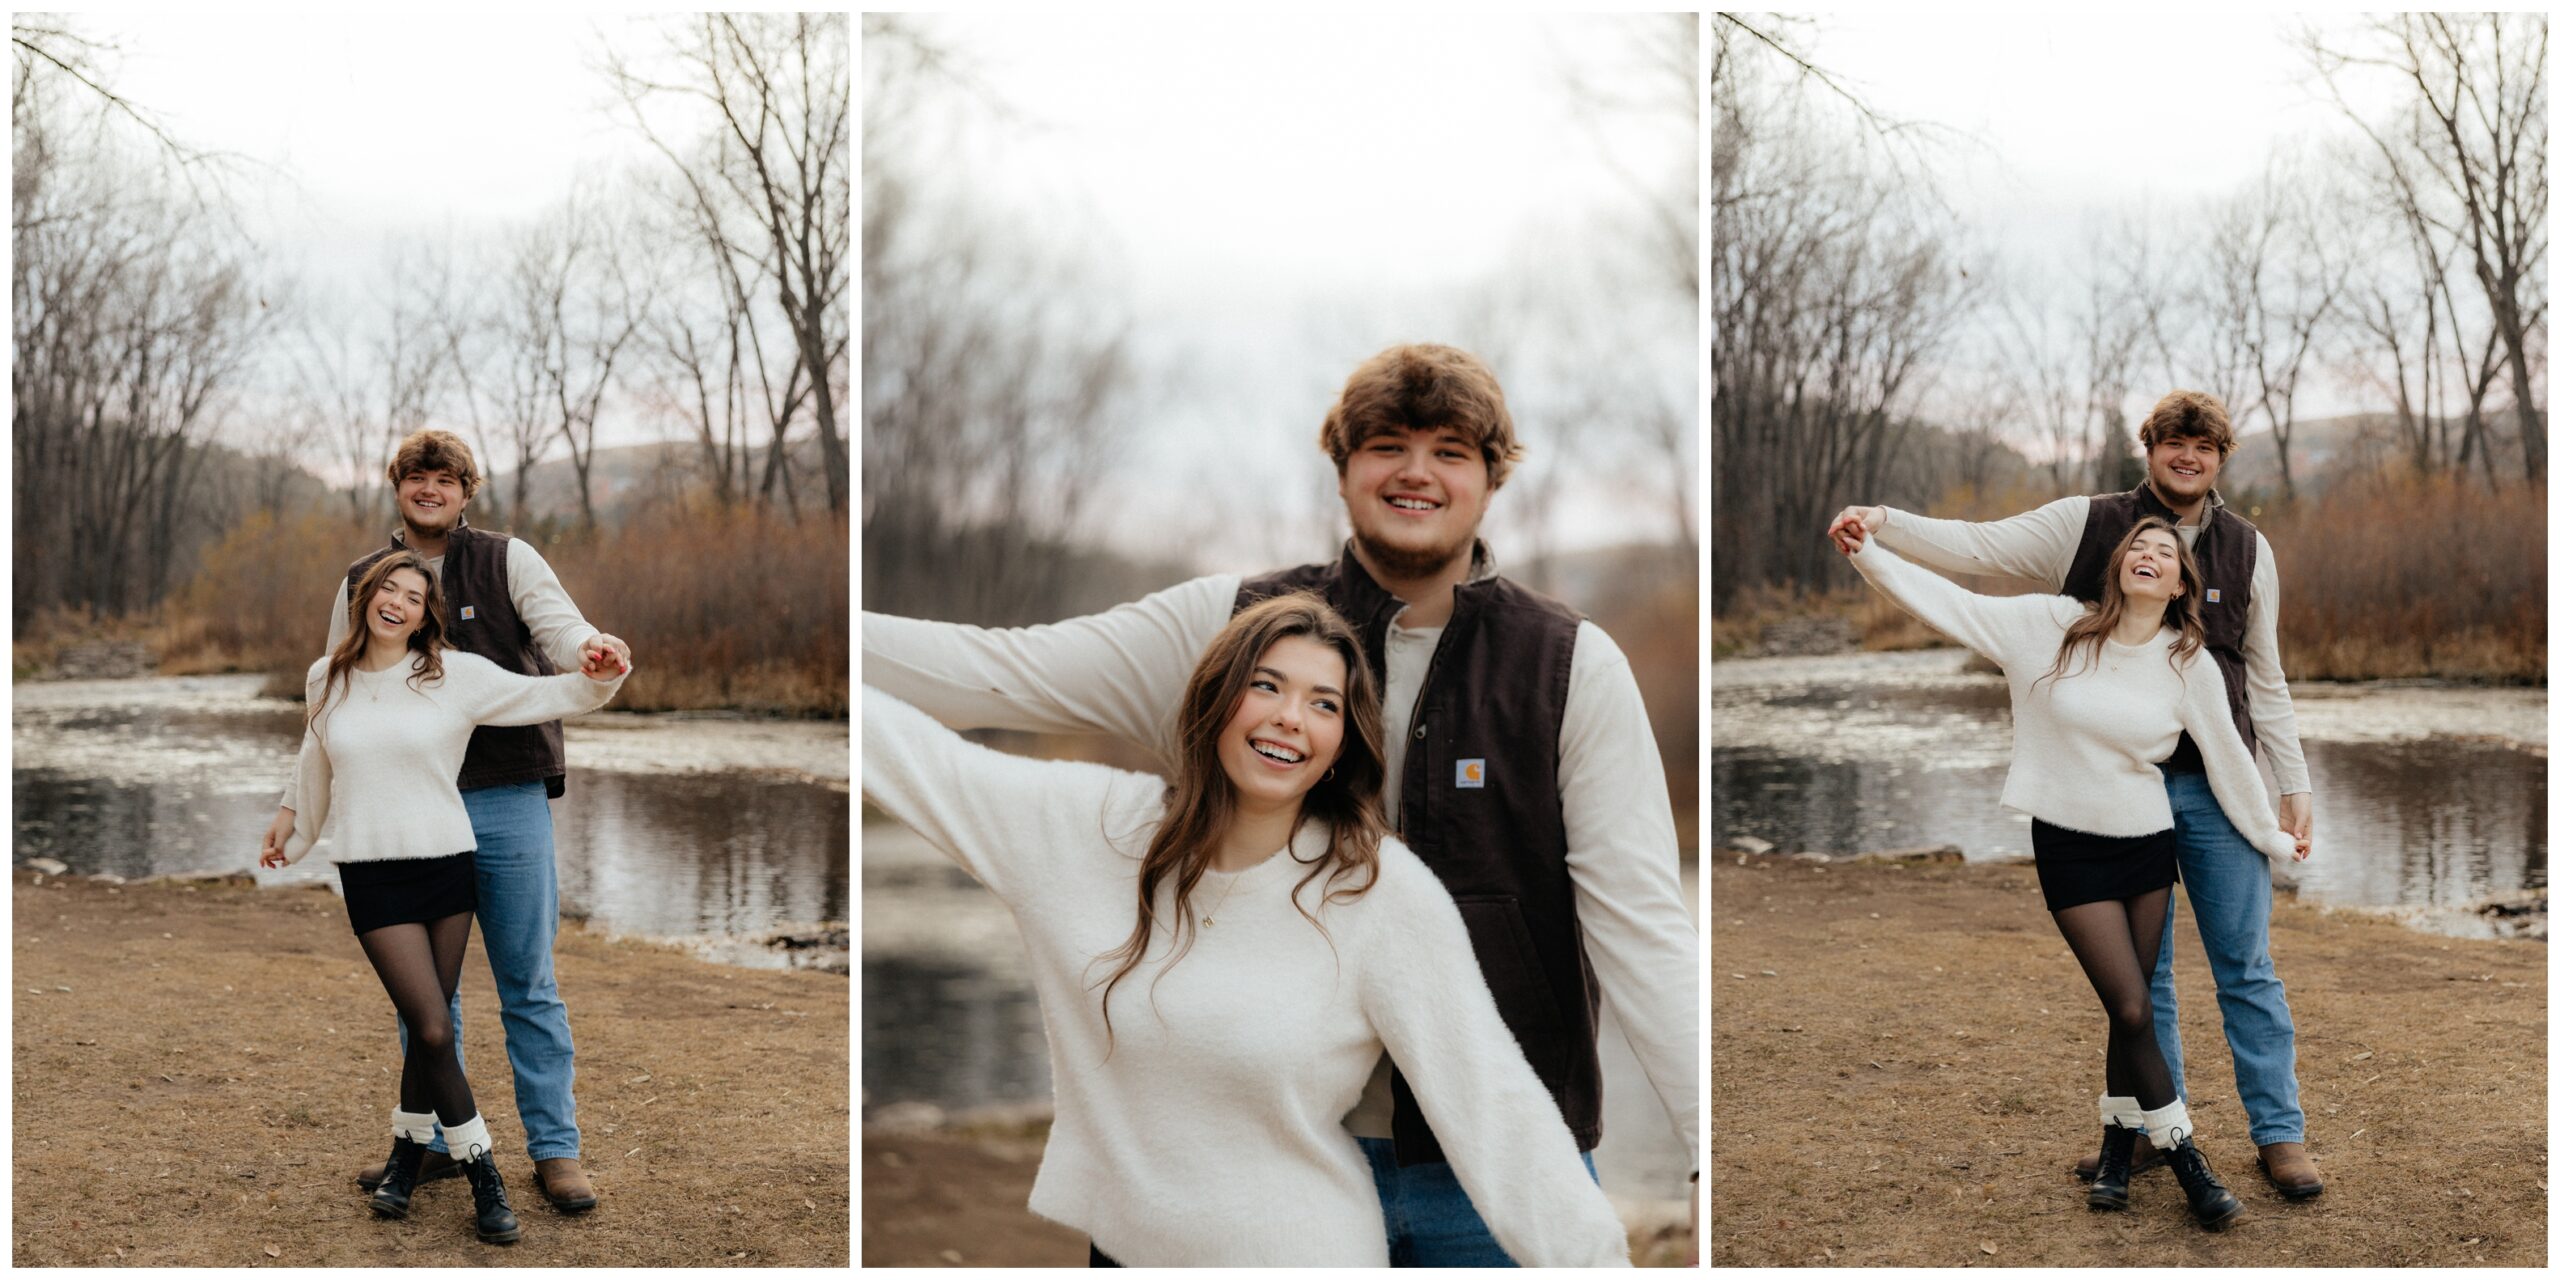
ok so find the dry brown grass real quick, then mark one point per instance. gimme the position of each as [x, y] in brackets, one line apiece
[2401, 576]
[2390, 577]
[738, 609]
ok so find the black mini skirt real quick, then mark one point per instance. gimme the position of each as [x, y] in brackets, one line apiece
[408, 890]
[2074, 867]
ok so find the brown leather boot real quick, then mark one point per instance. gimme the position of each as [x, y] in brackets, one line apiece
[564, 1183]
[2145, 1157]
[2289, 1167]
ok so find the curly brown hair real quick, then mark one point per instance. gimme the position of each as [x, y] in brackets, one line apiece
[2190, 413]
[1423, 384]
[433, 450]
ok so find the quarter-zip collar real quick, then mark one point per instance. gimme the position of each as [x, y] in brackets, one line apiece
[2148, 499]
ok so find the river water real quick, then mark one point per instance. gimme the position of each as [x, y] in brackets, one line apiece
[949, 1017]
[2427, 798]
[708, 831]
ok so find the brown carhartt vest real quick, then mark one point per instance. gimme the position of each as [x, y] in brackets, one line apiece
[480, 617]
[1481, 809]
[2226, 552]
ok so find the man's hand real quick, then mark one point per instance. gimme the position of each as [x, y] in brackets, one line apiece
[1850, 528]
[603, 657]
[2293, 813]
[278, 831]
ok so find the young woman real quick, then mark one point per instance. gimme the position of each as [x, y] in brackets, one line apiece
[390, 713]
[1220, 961]
[2099, 694]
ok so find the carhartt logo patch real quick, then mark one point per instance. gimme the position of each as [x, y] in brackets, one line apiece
[1471, 775]
[467, 613]
[2212, 595]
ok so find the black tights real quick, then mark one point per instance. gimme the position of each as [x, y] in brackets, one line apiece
[419, 965]
[2117, 941]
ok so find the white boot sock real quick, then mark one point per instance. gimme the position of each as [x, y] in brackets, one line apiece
[468, 1140]
[2123, 1113]
[417, 1126]
[2169, 1126]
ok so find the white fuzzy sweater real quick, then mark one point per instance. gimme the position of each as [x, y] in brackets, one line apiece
[376, 773]
[1211, 1133]
[2089, 743]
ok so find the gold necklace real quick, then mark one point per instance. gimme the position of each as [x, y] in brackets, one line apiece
[1212, 917]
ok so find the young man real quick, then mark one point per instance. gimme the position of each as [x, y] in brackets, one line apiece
[1520, 765]
[2063, 546]
[504, 605]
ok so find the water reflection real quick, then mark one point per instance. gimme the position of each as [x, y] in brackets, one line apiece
[2413, 807]
[179, 776]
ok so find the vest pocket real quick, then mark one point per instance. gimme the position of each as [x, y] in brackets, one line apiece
[1511, 967]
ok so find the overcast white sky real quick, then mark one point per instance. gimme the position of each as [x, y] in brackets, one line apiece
[366, 126]
[1277, 197]
[2070, 114]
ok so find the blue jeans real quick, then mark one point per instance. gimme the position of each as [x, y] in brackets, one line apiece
[1430, 1221]
[2232, 889]
[519, 916]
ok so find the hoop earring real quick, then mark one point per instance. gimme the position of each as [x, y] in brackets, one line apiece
[1328, 774]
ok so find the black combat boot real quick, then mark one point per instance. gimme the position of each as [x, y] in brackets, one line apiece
[2212, 1202]
[2112, 1187]
[399, 1177]
[489, 1198]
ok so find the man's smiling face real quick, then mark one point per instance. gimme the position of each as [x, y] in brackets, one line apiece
[431, 500]
[2184, 468]
[1415, 498]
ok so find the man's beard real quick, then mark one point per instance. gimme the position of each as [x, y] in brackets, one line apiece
[411, 528]
[1410, 563]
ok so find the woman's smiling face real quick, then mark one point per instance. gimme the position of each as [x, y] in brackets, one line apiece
[1287, 728]
[397, 607]
[2149, 570]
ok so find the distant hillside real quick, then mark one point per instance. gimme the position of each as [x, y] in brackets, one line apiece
[627, 477]
[2330, 448]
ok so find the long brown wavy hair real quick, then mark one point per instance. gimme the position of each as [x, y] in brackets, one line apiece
[2186, 613]
[1200, 804]
[427, 641]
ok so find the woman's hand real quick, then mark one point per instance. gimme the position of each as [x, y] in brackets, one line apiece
[271, 859]
[2301, 847]
[605, 663]
[1850, 528]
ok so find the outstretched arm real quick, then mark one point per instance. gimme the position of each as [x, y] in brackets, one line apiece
[1498, 1124]
[2036, 546]
[1119, 672]
[999, 816]
[1997, 627]
[494, 695]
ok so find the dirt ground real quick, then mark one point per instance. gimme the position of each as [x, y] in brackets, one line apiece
[201, 1068]
[1906, 1062]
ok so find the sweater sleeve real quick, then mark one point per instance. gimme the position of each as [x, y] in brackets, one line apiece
[2204, 710]
[999, 816]
[2270, 698]
[544, 606]
[337, 631]
[2035, 545]
[2000, 628]
[1497, 1123]
[1623, 853]
[1119, 672]
[493, 695]
[310, 778]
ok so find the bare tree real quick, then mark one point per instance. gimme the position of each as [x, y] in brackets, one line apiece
[777, 87]
[2470, 144]
[132, 317]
